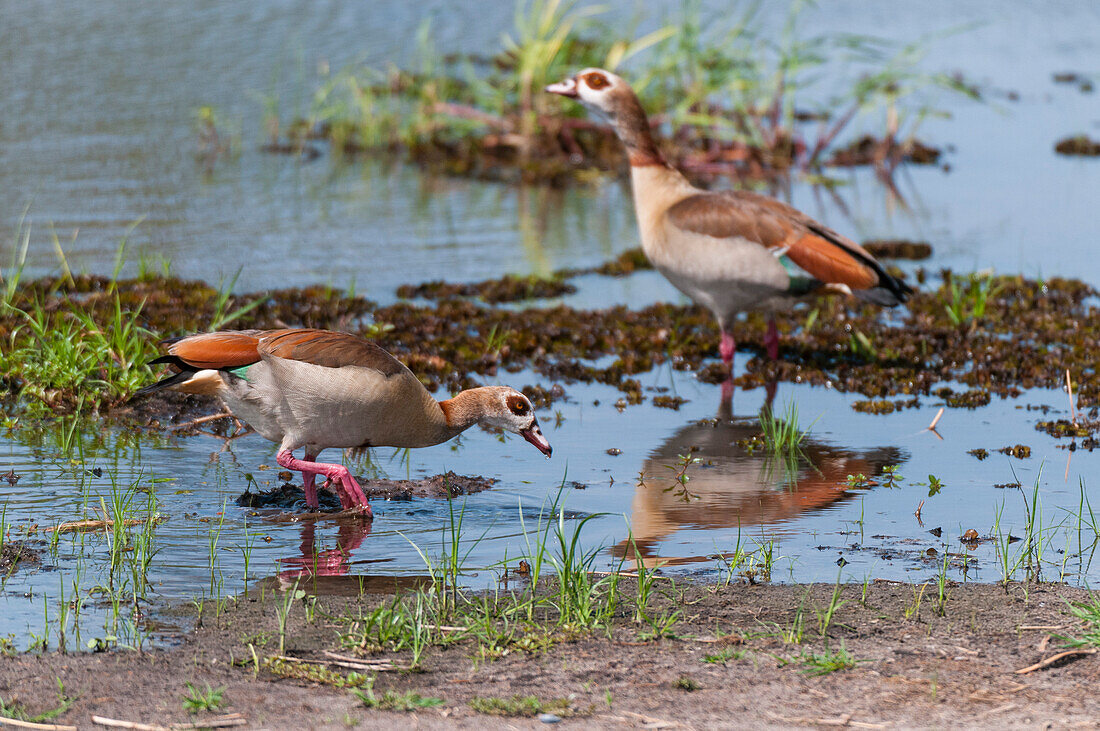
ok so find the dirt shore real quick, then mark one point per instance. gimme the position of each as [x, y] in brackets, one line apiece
[912, 666]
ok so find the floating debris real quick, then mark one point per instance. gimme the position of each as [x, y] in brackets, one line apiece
[898, 249]
[1019, 451]
[1081, 146]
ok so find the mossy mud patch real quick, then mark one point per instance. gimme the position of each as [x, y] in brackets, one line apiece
[289, 496]
[960, 341]
[879, 655]
[16, 555]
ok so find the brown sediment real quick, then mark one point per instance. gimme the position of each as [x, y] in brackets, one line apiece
[508, 288]
[914, 663]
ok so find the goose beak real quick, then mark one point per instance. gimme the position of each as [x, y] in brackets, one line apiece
[534, 435]
[567, 88]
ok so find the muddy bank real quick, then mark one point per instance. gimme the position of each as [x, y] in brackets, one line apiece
[741, 656]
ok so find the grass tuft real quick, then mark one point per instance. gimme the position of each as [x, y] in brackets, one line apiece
[207, 699]
[524, 706]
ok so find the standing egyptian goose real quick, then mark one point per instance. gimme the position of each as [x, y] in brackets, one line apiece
[318, 389]
[726, 250]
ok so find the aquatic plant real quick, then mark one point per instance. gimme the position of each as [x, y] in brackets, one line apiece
[736, 102]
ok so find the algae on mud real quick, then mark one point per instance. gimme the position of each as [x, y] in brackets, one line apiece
[994, 335]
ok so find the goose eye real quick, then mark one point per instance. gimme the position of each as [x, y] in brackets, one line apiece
[597, 81]
[518, 405]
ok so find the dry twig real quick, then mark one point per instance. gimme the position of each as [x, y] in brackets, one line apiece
[5, 721]
[1053, 659]
[343, 662]
[201, 420]
[232, 719]
[85, 525]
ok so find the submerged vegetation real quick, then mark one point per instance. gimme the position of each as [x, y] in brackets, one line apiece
[728, 98]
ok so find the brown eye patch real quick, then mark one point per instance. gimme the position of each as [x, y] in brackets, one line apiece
[596, 81]
[518, 405]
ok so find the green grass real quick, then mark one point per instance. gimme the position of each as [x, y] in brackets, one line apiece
[522, 706]
[827, 661]
[14, 710]
[392, 700]
[1088, 613]
[205, 699]
[725, 655]
[66, 360]
[783, 437]
[969, 296]
[782, 434]
[560, 597]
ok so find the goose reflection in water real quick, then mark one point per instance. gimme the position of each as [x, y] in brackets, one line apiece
[731, 484]
[327, 571]
[329, 561]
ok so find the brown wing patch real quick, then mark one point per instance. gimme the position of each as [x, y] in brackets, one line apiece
[824, 254]
[225, 349]
[329, 349]
[829, 263]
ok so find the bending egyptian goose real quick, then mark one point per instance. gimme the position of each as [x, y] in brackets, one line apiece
[730, 250]
[318, 389]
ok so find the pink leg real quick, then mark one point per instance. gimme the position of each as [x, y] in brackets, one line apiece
[351, 495]
[771, 340]
[727, 392]
[727, 347]
[307, 483]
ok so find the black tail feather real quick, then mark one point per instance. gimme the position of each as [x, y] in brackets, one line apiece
[890, 292]
[172, 380]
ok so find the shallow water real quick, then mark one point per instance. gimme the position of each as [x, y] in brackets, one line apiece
[808, 515]
[98, 134]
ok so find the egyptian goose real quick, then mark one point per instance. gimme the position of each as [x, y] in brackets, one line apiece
[318, 389]
[730, 251]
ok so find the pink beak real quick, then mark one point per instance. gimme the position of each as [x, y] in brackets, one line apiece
[567, 88]
[534, 435]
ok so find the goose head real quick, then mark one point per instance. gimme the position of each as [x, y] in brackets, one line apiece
[602, 92]
[507, 408]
